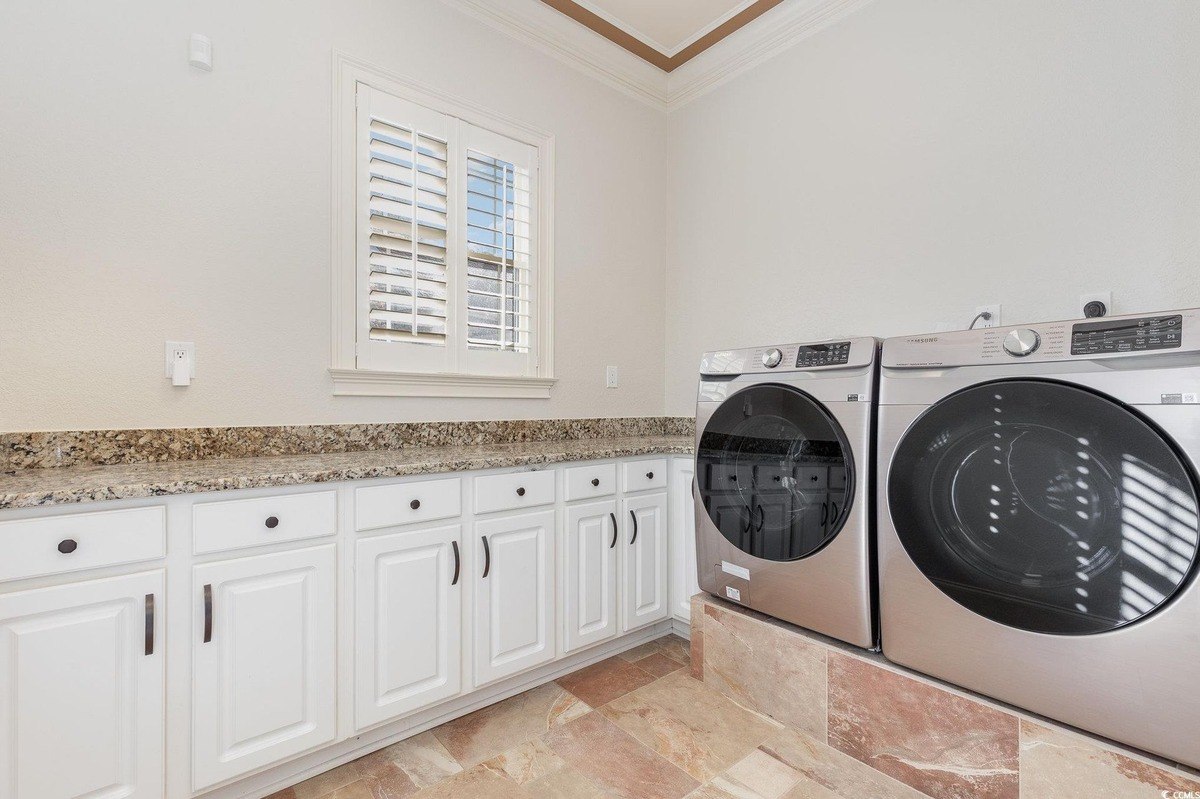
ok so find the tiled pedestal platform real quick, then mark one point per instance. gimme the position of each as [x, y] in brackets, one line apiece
[865, 727]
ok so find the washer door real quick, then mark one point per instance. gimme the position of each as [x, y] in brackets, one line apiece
[774, 472]
[1045, 507]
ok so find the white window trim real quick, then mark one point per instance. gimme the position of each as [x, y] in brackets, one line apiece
[348, 379]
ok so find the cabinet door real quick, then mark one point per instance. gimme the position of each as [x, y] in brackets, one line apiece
[590, 590]
[81, 690]
[644, 561]
[264, 680]
[514, 594]
[682, 550]
[408, 621]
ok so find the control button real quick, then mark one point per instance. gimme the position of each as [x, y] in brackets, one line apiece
[1021, 342]
[772, 358]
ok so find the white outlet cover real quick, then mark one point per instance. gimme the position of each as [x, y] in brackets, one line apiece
[169, 351]
[611, 379]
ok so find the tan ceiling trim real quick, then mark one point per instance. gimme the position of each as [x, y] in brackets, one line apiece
[647, 53]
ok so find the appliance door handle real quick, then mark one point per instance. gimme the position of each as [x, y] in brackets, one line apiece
[633, 516]
[487, 557]
[762, 519]
[749, 520]
[208, 620]
[613, 516]
[149, 648]
[457, 562]
[824, 513]
[833, 512]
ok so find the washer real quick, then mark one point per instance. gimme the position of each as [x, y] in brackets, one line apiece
[1038, 520]
[783, 492]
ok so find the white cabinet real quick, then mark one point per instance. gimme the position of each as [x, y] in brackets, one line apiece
[644, 560]
[514, 594]
[81, 690]
[408, 622]
[264, 661]
[684, 584]
[590, 572]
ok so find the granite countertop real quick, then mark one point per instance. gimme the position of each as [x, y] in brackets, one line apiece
[34, 487]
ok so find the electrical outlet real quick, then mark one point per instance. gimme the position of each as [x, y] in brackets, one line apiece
[1095, 296]
[173, 349]
[992, 321]
[610, 377]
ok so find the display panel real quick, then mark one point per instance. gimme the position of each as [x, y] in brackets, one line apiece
[835, 354]
[1127, 335]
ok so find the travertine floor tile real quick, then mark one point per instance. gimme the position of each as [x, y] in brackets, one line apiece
[617, 763]
[528, 762]
[837, 773]
[603, 682]
[676, 648]
[761, 775]
[422, 758]
[322, 785]
[658, 664]
[478, 782]
[566, 783]
[498, 728]
[692, 726]
[1056, 763]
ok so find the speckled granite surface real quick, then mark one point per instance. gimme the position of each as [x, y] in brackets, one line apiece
[77, 448]
[31, 487]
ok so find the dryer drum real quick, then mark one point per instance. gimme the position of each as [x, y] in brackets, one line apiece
[1045, 506]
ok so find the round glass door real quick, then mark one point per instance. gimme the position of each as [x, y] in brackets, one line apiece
[774, 472]
[1045, 506]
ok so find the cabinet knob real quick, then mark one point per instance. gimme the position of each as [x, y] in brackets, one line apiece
[416, 503]
[595, 481]
[272, 522]
[649, 475]
[521, 492]
[67, 546]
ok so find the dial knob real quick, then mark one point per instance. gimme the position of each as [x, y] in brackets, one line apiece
[772, 358]
[1021, 342]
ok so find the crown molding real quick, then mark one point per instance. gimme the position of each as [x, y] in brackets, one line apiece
[650, 41]
[538, 25]
[789, 23]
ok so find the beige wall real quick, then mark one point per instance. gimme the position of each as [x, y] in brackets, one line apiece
[142, 200]
[923, 157]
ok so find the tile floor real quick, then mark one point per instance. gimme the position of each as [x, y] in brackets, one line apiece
[636, 726]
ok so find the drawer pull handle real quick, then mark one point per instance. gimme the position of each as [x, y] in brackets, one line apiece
[415, 504]
[487, 557]
[633, 516]
[457, 562]
[649, 475]
[67, 546]
[208, 613]
[520, 492]
[272, 522]
[595, 481]
[613, 516]
[149, 624]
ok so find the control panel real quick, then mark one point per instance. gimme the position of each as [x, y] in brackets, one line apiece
[835, 354]
[1127, 335]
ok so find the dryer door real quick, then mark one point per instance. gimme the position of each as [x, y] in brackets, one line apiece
[1045, 506]
[774, 472]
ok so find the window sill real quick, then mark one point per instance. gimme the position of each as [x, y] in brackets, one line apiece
[363, 383]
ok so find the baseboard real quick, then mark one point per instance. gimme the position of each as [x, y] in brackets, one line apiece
[277, 778]
[682, 628]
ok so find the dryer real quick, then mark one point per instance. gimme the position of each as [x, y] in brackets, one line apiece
[1038, 520]
[783, 493]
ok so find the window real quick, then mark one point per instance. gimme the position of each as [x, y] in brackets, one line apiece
[442, 273]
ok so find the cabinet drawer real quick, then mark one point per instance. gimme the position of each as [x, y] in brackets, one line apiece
[593, 480]
[241, 523]
[59, 544]
[508, 491]
[407, 503]
[810, 478]
[644, 475]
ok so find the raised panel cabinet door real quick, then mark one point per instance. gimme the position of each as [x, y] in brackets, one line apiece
[644, 561]
[514, 594]
[264, 654]
[81, 690]
[590, 590]
[408, 622]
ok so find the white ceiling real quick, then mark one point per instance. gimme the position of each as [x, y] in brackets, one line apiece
[666, 25]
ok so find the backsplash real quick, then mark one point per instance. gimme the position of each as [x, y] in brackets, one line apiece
[106, 447]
